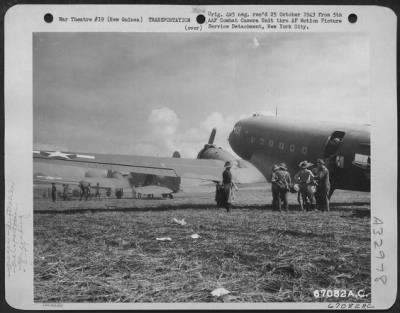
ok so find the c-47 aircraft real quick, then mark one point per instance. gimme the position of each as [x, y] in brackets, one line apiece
[260, 141]
[265, 140]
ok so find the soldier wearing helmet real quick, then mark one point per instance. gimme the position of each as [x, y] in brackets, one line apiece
[281, 182]
[304, 178]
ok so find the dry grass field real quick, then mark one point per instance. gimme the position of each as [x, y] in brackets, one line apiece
[106, 251]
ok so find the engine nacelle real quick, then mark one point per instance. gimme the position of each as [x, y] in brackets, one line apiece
[215, 153]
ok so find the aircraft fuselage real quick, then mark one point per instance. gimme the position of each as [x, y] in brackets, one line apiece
[265, 141]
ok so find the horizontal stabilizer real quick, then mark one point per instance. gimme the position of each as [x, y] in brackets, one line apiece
[155, 190]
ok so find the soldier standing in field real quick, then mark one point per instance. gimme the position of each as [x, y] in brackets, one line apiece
[281, 178]
[82, 190]
[88, 191]
[53, 192]
[275, 189]
[324, 185]
[97, 188]
[65, 191]
[228, 186]
[305, 178]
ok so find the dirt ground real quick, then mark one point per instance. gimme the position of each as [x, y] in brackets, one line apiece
[107, 251]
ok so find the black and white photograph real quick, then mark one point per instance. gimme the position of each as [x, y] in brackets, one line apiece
[137, 111]
[202, 167]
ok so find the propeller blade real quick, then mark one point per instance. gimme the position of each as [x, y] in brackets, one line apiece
[212, 136]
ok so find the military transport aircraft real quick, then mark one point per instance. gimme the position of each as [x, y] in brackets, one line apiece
[260, 141]
[266, 140]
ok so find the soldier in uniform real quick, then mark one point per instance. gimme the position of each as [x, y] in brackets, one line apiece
[281, 178]
[228, 186]
[275, 189]
[53, 192]
[88, 191]
[83, 190]
[65, 191]
[97, 188]
[305, 179]
[324, 185]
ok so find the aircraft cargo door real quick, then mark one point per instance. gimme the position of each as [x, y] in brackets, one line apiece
[333, 144]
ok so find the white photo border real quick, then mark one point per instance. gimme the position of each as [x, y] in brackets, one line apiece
[21, 21]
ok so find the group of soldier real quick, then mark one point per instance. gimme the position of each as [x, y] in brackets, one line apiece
[85, 191]
[312, 186]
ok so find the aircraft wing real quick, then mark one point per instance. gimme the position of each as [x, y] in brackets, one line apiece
[55, 166]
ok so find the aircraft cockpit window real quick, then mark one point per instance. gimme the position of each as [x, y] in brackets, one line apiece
[292, 148]
[281, 145]
[270, 143]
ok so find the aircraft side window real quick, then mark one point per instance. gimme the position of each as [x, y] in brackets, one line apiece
[270, 143]
[252, 139]
[304, 150]
[237, 130]
[292, 148]
[281, 145]
[261, 140]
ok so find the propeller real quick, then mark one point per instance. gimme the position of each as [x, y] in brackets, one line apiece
[212, 136]
[208, 145]
[211, 151]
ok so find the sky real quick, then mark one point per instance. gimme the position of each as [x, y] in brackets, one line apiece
[156, 93]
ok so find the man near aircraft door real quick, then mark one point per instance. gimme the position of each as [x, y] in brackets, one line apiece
[305, 180]
[281, 178]
[323, 187]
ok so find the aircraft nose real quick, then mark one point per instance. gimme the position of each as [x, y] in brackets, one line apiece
[230, 139]
[234, 136]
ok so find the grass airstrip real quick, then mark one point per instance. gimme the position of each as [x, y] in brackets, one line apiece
[110, 255]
